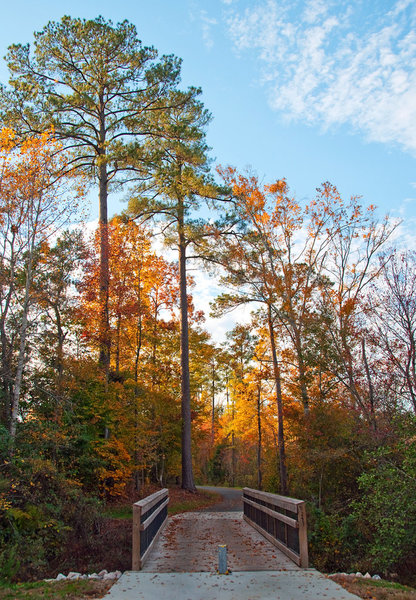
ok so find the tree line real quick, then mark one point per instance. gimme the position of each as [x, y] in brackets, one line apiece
[105, 364]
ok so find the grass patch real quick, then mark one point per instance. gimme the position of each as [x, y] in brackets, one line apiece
[124, 511]
[369, 589]
[59, 590]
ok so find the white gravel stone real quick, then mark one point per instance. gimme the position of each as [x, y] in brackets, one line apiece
[102, 573]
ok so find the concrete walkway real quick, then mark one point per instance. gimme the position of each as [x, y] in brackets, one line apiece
[267, 585]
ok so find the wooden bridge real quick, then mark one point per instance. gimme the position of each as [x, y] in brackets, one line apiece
[267, 555]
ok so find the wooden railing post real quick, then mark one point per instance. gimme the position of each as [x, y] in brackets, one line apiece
[149, 518]
[136, 559]
[303, 536]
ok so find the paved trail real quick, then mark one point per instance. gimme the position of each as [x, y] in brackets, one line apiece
[232, 499]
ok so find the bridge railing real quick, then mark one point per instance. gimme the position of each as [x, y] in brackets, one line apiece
[149, 518]
[281, 520]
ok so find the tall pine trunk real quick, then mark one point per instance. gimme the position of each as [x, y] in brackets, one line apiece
[105, 338]
[187, 471]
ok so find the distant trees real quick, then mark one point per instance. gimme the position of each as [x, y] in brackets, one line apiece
[309, 267]
[392, 327]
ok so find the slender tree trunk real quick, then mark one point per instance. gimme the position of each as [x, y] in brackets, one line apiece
[373, 422]
[6, 369]
[259, 439]
[117, 342]
[6, 344]
[187, 472]
[279, 401]
[213, 406]
[302, 372]
[22, 345]
[136, 453]
[60, 349]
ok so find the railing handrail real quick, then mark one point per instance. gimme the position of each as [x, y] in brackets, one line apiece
[140, 526]
[297, 507]
[149, 501]
[282, 501]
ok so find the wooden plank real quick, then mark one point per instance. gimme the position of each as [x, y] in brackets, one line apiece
[146, 554]
[137, 515]
[289, 553]
[303, 536]
[281, 501]
[147, 503]
[146, 523]
[273, 513]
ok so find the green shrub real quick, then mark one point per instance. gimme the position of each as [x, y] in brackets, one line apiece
[387, 510]
[38, 512]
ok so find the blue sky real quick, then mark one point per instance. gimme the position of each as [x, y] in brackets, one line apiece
[310, 90]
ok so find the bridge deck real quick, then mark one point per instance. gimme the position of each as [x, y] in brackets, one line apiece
[189, 543]
[184, 560]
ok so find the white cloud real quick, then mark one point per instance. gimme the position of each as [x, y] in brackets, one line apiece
[207, 24]
[332, 63]
[205, 290]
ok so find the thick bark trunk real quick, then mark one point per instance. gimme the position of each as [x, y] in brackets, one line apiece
[187, 471]
[105, 337]
[105, 341]
[279, 402]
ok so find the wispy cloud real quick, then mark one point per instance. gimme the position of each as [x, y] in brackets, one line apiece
[333, 62]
